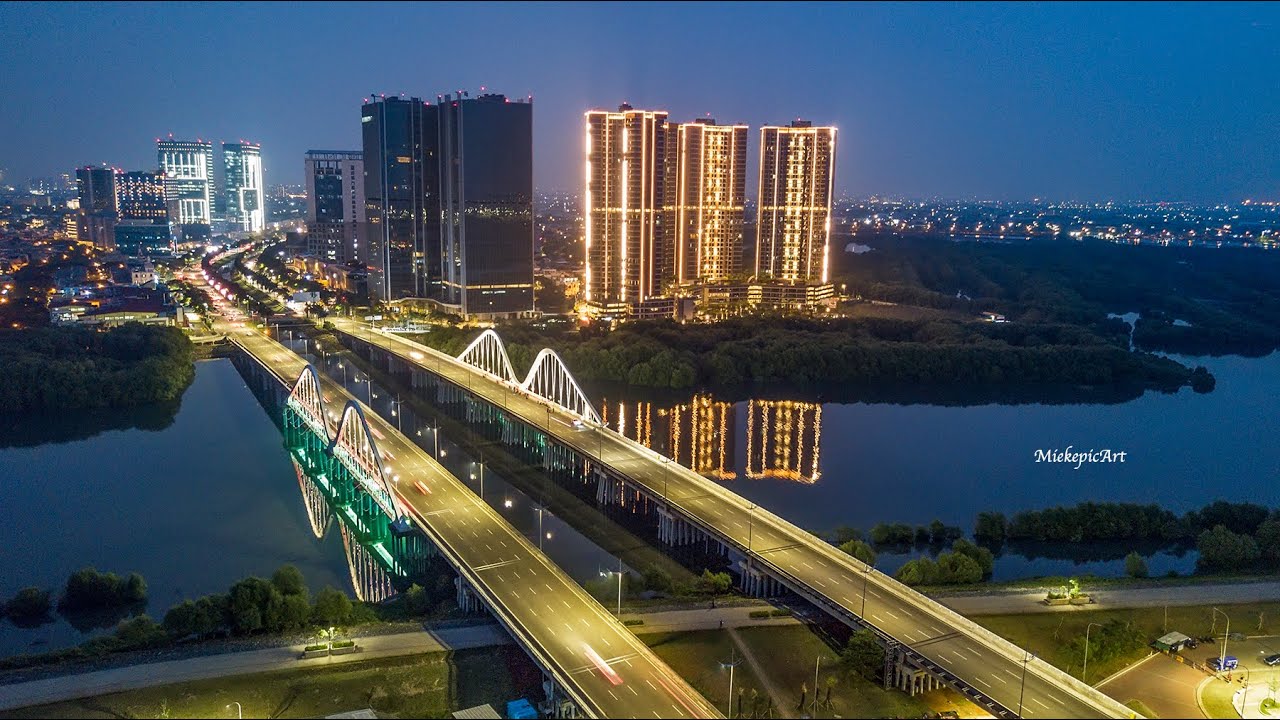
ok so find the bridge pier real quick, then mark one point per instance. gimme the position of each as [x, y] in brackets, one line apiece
[556, 705]
[467, 600]
[757, 583]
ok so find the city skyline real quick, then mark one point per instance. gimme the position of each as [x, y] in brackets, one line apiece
[1069, 102]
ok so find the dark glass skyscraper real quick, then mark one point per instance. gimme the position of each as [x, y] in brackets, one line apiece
[143, 228]
[486, 188]
[402, 199]
[335, 204]
[96, 188]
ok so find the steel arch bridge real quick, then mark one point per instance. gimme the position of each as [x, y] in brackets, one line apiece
[548, 378]
[340, 469]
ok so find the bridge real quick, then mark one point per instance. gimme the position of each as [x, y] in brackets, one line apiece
[547, 418]
[403, 508]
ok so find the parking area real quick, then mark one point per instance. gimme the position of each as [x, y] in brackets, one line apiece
[1246, 686]
[1161, 683]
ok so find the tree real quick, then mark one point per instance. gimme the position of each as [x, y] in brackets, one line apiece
[1221, 549]
[958, 569]
[251, 606]
[1134, 565]
[288, 580]
[140, 632]
[991, 527]
[180, 621]
[135, 589]
[983, 556]
[332, 607]
[859, 550]
[30, 604]
[862, 654]
[1268, 537]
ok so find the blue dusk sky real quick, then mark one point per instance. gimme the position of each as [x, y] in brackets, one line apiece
[995, 101]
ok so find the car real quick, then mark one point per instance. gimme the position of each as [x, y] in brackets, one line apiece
[1218, 664]
[578, 425]
[1272, 660]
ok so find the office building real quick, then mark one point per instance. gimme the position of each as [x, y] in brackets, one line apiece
[797, 176]
[628, 205]
[486, 197]
[143, 226]
[188, 186]
[711, 183]
[335, 204]
[242, 168]
[96, 191]
[402, 199]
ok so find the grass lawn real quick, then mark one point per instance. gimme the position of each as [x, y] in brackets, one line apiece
[789, 653]
[697, 656]
[1048, 634]
[431, 685]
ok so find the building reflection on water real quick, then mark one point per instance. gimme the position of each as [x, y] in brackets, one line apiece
[782, 436]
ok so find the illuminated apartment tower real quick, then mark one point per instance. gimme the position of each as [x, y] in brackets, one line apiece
[797, 175]
[242, 162]
[711, 184]
[628, 207]
[188, 186]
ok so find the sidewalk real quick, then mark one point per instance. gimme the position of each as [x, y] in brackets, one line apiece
[132, 677]
[1014, 603]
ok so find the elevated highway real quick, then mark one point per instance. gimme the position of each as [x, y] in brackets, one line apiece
[927, 637]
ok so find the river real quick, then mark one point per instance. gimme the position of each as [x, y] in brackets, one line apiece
[197, 499]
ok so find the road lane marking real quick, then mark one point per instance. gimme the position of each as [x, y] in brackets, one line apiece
[1006, 682]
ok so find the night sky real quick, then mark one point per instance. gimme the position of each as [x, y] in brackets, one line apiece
[1062, 101]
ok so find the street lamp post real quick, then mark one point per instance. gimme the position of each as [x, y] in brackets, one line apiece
[1084, 672]
[1244, 698]
[239, 710]
[1222, 658]
[1023, 691]
[397, 411]
[619, 586]
[539, 528]
[866, 573]
[733, 663]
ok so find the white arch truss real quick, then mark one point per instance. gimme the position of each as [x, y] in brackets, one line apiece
[355, 447]
[306, 398]
[550, 378]
[488, 353]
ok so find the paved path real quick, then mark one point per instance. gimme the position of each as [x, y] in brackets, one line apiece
[132, 677]
[1117, 599]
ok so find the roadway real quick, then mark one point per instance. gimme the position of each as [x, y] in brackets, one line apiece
[591, 654]
[956, 646]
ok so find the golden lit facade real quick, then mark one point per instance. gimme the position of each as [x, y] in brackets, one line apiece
[711, 183]
[628, 203]
[783, 440]
[797, 180]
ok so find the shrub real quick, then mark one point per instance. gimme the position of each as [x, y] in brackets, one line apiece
[859, 550]
[31, 603]
[1134, 565]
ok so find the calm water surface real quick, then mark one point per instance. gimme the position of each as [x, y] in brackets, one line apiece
[199, 503]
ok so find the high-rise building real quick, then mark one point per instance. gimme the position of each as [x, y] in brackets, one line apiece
[797, 176]
[242, 166]
[335, 204]
[486, 198]
[188, 186]
[402, 199]
[96, 190]
[711, 185]
[628, 206]
[143, 227]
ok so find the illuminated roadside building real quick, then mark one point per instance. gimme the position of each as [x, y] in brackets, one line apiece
[143, 227]
[335, 204]
[402, 198]
[486, 199]
[242, 164]
[628, 208]
[783, 440]
[797, 176]
[188, 187]
[711, 182]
